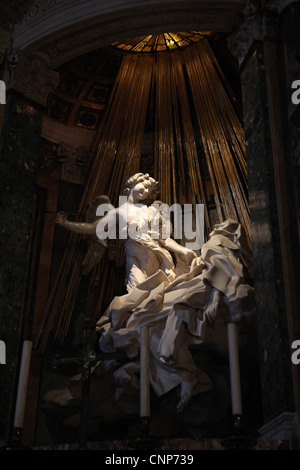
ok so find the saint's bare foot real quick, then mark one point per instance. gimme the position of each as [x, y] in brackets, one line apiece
[187, 388]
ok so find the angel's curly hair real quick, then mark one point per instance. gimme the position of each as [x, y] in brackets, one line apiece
[141, 177]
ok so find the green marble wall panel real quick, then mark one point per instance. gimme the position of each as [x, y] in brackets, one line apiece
[274, 349]
[19, 159]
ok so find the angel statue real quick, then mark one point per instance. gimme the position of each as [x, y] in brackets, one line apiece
[176, 307]
[146, 252]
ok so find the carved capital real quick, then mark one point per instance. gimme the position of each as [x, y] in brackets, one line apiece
[249, 29]
[31, 76]
[71, 161]
[277, 5]
[74, 162]
[256, 20]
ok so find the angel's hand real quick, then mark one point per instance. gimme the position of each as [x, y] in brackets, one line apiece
[196, 261]
[61, 218]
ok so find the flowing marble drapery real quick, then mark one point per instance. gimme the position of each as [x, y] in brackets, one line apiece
[177, 311]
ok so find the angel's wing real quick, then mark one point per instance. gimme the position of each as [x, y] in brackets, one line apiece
[95, 247]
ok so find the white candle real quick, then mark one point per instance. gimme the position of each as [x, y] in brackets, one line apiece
[144, 373]
[233, 349]
[22, 385]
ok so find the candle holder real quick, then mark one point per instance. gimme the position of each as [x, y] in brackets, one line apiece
[145, 441]
[145, 426]
[17, 430]
[239, 438]
[15, 441]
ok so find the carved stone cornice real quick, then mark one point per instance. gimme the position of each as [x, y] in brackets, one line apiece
[60, 30]
[57, 132]
[38, 8]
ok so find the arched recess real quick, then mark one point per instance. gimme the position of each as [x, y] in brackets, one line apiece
[63, 30]
[63, 44]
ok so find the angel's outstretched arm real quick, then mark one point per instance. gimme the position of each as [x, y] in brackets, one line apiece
[89, 228]
[84, 228]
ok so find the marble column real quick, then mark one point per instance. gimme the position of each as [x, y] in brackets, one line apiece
[272, 218]
[290, 32]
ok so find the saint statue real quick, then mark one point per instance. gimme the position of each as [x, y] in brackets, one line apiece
[176, 306]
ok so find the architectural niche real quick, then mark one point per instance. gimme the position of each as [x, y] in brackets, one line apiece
[264, 38]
